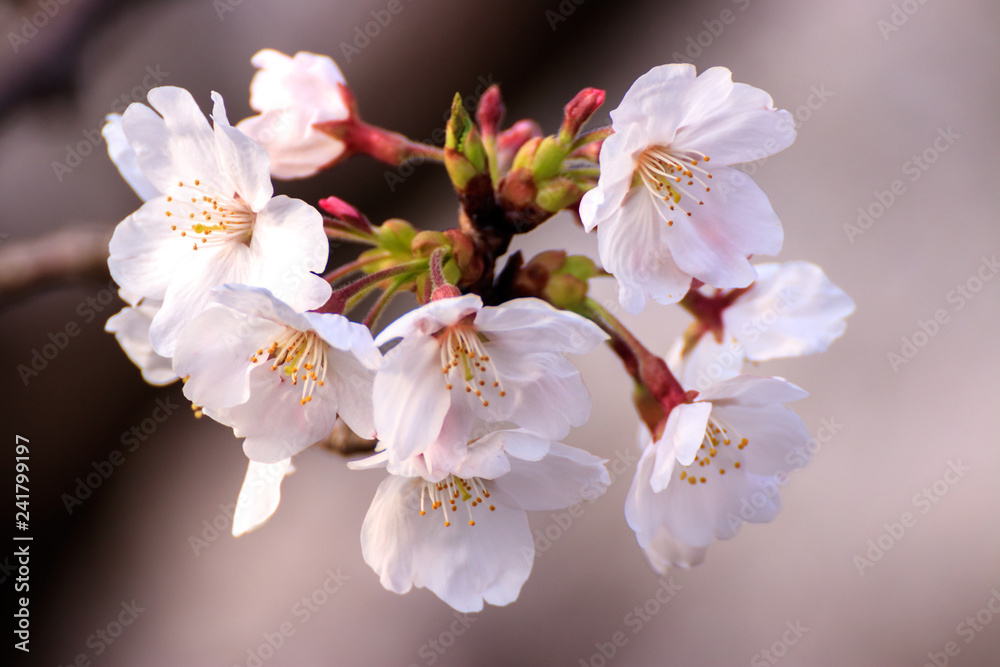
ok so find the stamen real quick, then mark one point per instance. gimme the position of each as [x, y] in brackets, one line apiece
[453, 490]
[667, 173]
[463, 352]
[233, 221]
[296, 350]
[713, 450]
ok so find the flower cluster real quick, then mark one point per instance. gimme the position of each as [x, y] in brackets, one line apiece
[467, 397]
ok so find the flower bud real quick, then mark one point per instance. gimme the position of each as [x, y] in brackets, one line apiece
[468, 261]
[490, 112]
[464, 155]
[426, 242]
[548, 159]
[512, 139]
[346, 213]
[396, 236]
[578, 111]
[557, 194]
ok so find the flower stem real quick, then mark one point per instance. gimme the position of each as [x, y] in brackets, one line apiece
[599, 134]
[344, 297]
[648, 370]
[383, 300]
[356, 265]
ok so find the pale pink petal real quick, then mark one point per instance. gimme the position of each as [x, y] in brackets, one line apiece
[566, 475]
[260, 494]
[410, 397]
[463, 565]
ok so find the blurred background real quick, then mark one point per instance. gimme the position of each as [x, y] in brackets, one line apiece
[889, 187]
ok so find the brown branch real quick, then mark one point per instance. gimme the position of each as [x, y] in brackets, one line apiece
[75, 252]
[345, 442]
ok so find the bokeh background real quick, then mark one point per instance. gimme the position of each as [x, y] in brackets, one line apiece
[884, 92]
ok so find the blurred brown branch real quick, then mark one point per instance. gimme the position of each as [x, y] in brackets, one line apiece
[75, 252]
[345, 442]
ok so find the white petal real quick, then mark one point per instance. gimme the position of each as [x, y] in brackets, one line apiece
[531, 325]
[410, 397]
[709, 362]
[792, 309]
[176, 145]
[122, 154]
[463, 565]
[293, 94]
[712, 244]
[745, 127]
[259, 495]
[644, 512]
[485, 458]
[274, 422]
[377, 460]
[619, 154]
[431, 317]
[566, 475]
[682, 436]
[245, 162]
[656, 93]
[146, 255]
[214, 352]
[773, 433]
[750, 390]
[307, 80]
[131, 328]
[545, 393]
[189, 292]
[633, 246]
[297, 150]
[521, 443]
[288, 245]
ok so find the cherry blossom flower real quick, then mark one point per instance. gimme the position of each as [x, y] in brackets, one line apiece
[278, 377]
[464, 534]
[667, 206]
[123, 156]
[260, 494]
[791, 310]
[130, 326]
[499, 363]
[214, 220]
[292, 94]
[717, 465]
